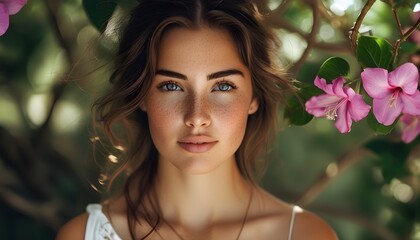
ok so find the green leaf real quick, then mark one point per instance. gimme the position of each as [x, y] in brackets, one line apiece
[378, 127]
[99, 12]
[295, 110]
[333, 68]
[393, 156]
[374, 52]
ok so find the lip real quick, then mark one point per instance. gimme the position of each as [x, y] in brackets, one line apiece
[197, 144]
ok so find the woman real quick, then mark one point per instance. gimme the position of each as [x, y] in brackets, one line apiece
[197, 92]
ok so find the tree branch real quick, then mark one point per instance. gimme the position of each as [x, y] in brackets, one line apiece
[412, 29]
[64, 42]
[20, 157]
[345, 161]
[47, 212]
[281, 8]
[279, 23]
[311, 39]
[403, 36]
[355, 29]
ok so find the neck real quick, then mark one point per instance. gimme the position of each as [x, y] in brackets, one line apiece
[200, 200]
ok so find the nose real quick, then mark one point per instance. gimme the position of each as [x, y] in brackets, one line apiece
[197, 112]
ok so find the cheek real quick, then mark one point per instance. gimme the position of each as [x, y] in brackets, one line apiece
[163, 116]
[162, 109]
[236, 106]
[230, 126]
[232, 115]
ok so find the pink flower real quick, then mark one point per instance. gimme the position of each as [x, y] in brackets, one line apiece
[411, 127]
[8, 7]
[338, 102]
[393, 93]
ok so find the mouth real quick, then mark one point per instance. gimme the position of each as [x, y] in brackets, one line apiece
[197, 144]
[199, 147]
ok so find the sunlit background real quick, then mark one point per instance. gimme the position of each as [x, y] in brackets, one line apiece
[54, 63]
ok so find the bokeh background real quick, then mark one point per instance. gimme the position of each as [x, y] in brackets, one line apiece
[54, 63]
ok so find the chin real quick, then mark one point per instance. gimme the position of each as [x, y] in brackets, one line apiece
[196, 168]
[201, 166]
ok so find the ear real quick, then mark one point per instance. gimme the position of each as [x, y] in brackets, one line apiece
[143, 106]
[253, 107]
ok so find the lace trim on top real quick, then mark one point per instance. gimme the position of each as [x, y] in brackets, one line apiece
[98, 226]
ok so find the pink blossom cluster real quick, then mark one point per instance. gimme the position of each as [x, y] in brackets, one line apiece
[394, 94]
[7, 8]
[338, 103]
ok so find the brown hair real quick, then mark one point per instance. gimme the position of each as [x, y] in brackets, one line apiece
[135, 68]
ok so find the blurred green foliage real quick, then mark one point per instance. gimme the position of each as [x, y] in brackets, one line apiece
[54, 62]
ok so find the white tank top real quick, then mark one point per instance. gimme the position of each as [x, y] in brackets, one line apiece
[98, 226]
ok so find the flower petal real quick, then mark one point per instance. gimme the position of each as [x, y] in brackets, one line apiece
[407, 119]
[408, 136]
[375, 82]
[343, 121]
[411, 127]
[384, 112]
[358, 109]
[317, 104]
[337, 86]
[14, 6]
[406, 77]
[411, 103]
[322, 84]
[4, 19]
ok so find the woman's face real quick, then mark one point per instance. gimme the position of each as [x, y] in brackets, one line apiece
[199, 100]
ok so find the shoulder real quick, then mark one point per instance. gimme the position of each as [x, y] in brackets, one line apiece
[308, 224]
[74, 229]
[272, 218]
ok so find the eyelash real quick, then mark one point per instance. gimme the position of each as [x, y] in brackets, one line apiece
[231, 85]
[164, 86]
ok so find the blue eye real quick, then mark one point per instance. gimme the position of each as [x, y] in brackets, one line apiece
[169, 86]
[224, 86]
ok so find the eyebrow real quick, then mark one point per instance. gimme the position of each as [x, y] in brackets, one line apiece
[215, 75]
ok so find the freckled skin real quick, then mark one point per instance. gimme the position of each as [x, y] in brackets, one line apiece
[203, 195]
[198, 108]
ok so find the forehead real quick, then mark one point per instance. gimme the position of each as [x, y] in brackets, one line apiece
[185, 49]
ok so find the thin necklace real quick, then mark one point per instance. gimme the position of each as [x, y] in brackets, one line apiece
[240, 230]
